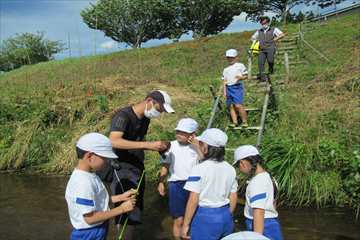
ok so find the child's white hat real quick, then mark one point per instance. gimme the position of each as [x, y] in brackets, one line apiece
[231, 53]
[187, 125]
[244, 152]
[96, 143]
[213, 137]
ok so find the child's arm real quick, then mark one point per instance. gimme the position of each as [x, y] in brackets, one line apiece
[241, 77]
[100, 216]
[123, 197]
[193, 141]
[162, 178]
[258, 215]
[233, 201]
[189, 213]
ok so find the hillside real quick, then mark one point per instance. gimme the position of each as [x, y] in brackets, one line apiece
[312, 142]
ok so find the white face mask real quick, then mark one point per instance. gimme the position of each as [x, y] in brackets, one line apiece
[265, 26]
[152, 112]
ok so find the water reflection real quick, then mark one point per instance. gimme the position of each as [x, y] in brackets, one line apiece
[33, 207]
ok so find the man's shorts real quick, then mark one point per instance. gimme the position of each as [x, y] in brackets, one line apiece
[124, 179]
[178, 198]
[235, 94]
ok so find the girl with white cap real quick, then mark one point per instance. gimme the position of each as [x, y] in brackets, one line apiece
[260, 207]
[213, 190]
[177, 163]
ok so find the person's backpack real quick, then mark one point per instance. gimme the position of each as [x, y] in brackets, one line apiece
[255, 48]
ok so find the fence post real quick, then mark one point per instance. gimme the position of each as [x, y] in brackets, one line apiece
[287, 67]
[249, 68]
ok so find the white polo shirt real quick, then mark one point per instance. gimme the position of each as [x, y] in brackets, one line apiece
[181, 159]
[260, 194]
[232, 71]
[85, 193]
[214, 181]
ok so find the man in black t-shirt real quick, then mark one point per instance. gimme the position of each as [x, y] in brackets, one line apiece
[129, 127]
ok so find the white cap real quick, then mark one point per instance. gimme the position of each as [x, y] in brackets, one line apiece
[96, 143]
[162, 98]
[214, 137]
[244, 152]
[231, 53]
[187, 125]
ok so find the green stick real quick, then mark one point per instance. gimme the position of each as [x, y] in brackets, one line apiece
[127, 218]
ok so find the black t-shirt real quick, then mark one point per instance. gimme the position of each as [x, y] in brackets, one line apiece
[134, 129]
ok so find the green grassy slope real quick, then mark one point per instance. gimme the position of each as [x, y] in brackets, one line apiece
[311, 143]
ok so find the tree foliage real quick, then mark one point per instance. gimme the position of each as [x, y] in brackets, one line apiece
[204, 17]
[280, 7]
[133, 21]
[137, 21]
[27, 48]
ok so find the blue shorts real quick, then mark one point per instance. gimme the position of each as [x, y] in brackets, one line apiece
[235, 94]
[211, 223]
[272, 228]
[178, 198]
[94, 233]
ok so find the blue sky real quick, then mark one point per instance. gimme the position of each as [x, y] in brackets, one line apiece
[60, 20]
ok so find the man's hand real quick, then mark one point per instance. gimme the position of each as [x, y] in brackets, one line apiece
[158, 146]
[184, 232]
[161, 189]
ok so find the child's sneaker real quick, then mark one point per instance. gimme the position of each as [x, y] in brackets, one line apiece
[233, 125]
[244, 125]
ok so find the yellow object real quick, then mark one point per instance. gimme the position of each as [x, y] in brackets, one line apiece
[255, 48]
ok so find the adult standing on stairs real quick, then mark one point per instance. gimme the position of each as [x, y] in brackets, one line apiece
[267, 37]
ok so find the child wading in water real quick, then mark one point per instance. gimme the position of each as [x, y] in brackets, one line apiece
[86, 195]
[213, 190]
[260, 207]
[178, 162]
[233, 77]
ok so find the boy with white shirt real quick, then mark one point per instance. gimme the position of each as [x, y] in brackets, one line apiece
[177, 162]
[86, 195]
[233, 77]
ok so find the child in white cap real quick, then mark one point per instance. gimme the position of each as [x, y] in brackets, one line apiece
[233, 77]
[260, 207]
[86, 195]
[213, 190]
[177, 163]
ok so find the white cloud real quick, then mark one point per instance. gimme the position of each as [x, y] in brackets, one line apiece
[108, 44]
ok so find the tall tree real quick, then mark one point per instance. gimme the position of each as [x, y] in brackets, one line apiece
[280, 7]
[27, 48]
[204, 17]
[133, 21]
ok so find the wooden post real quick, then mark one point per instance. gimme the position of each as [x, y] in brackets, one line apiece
[287, 67]
[249, 68]
[215, 107]
[263, 117]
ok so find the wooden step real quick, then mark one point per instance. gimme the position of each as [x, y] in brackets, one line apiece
[252, 109]
[297, 62]
[289, 39]
[248, 128]
[286, 48]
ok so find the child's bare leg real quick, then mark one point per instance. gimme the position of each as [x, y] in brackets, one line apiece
[233, 114]
[178, 222]
[240, 108]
